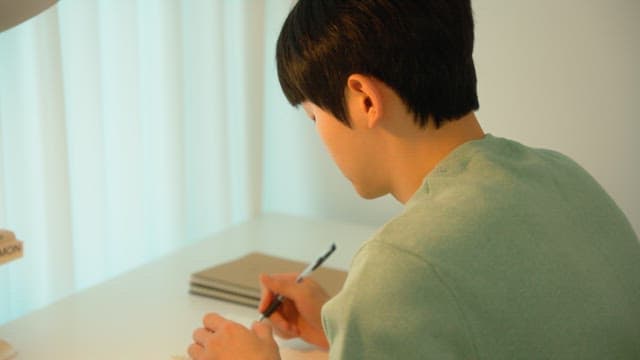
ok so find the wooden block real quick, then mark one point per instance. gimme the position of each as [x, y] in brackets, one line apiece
[10, 247]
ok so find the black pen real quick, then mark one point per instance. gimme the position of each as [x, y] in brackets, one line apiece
[306, 272]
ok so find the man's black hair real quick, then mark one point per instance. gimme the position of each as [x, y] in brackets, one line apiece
[422, 49]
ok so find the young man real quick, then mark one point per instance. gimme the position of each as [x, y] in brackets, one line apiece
[502, 251]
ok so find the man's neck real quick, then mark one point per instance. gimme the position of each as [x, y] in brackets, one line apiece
[415, 154]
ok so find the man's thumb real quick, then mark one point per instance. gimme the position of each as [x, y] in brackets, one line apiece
[275, 284]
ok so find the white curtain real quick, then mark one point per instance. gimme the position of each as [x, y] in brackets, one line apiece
[128, 129]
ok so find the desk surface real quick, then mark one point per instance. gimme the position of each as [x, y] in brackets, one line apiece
[148, 312]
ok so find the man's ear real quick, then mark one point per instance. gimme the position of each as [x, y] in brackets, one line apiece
[365, 99]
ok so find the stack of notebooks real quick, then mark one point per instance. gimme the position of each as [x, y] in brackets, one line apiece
[237, 281]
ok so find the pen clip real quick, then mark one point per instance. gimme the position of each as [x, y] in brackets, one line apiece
[324, 257]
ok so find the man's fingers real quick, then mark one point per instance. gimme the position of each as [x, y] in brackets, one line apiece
[283, 334]
[278, 284]
[214, 321]
[195, 351]
[266, 295]
[282, 327]
[270, 285]
[200, 336]
[262, 329]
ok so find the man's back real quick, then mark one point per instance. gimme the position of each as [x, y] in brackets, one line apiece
[504, 252]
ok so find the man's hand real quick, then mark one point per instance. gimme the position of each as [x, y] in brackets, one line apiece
[299, 314]
[224, 339]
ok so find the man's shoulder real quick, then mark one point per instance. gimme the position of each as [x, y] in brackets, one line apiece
[424, 229]
[495, 190]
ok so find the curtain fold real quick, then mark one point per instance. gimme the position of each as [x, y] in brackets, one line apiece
[127, 129]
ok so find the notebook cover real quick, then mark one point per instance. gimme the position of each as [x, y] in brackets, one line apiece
[240, 276]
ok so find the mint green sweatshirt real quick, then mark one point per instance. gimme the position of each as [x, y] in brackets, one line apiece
[505, 252]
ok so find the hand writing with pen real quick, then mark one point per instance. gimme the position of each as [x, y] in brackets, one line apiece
[291, 302]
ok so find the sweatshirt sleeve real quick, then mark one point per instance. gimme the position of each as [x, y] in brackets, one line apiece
[394, 306]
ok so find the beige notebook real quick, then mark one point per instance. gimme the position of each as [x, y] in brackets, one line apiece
[237, 281]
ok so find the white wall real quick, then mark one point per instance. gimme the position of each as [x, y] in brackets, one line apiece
[556, 74]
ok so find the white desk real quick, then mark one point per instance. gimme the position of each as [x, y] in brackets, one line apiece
[148, 312]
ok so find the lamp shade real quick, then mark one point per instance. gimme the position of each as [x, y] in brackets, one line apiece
[13, 12]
